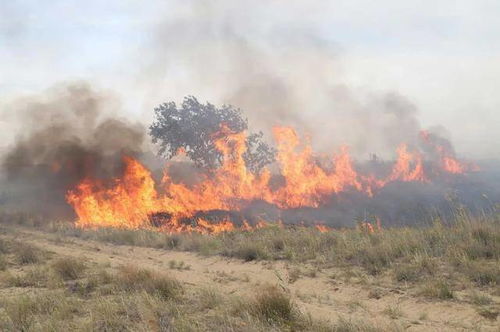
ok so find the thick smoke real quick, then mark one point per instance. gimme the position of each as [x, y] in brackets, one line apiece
[73, 131]
[267, 60]
[270, 62]
[70, 132]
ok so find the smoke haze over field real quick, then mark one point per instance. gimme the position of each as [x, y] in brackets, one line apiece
[78, 84]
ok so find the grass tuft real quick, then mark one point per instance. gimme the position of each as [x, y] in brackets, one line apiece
[480, 299]
[394, 312]
[132, 278]
[488, 313]
[30, 313]
[69, 268]
[438, 289]
[248, 252]
[273, 305]
[27, 254]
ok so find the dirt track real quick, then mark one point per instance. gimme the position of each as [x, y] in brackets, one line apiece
[321, 295]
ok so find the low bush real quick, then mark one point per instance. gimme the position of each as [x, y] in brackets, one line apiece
[30, 313]
[69, 268]
[438, 289]
[482, 273]
[132, 278]
[27, 254]
[274, 306]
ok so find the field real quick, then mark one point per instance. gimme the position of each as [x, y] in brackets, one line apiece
[55, 277]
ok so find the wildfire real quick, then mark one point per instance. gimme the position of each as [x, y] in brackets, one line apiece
[370, 228]
[323, 228]
[403, 171]
[446, 155]
[135, 200]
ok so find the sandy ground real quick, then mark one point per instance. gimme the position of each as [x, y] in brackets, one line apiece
[324, 295]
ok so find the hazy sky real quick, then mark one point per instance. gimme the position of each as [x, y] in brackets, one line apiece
[443, 56]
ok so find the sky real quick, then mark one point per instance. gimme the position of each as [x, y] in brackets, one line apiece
[442, 56]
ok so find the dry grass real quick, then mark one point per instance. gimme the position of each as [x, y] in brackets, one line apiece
[36, 276]
[488, 313]
[247, 251]
[470, 247]
[439, 262]
[394, 312]
[27, 254]
[37, 312]
[468, 250]
[69, 268]
[143, 300]
[4, 247]
[69, 294]
[480, 299]
[474, 240]
[273, 305]
[178, 265]
[133, 278]
[346, 325]
[3, 263]
[438, 289]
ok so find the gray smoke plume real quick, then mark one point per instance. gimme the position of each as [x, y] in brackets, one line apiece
[270, 62]
[267, 60]
[66, 134]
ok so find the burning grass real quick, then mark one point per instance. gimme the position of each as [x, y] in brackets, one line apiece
[136, 199]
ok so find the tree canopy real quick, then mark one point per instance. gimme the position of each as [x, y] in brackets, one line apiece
[192, 127]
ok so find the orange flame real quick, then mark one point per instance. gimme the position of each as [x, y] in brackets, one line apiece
[368, 227]
[403, 171]
[446, 155]
[136, 201]
[322, 228]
